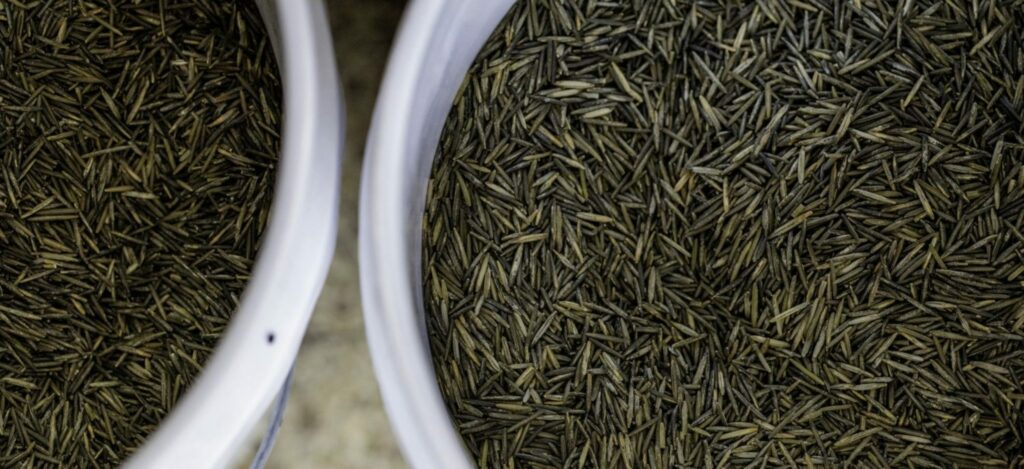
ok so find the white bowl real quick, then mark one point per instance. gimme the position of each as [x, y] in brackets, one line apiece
[256, 352]
[436, 44]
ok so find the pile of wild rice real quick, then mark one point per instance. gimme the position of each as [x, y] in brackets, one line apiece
[701, 234]
[138, 141]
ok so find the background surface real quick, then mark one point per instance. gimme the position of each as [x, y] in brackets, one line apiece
[335, 418]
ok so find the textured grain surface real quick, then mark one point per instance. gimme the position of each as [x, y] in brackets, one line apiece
[138, 143]
[703, 233]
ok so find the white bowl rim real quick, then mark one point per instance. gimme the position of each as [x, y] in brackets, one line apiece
[420, 421]
[390, 294]
[256, 352]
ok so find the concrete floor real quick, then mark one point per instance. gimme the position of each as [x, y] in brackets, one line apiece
[335, 418]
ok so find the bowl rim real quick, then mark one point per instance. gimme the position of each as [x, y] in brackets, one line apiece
[255, 354]
[404, 373]
[391, 297]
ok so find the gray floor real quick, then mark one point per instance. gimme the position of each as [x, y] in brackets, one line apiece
[335, 418]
